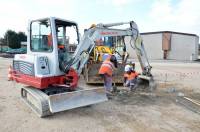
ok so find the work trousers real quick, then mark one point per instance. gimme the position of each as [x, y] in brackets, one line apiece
[107, 82]
[131, 83]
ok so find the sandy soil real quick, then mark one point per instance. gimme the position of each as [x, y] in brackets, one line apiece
[127, 112]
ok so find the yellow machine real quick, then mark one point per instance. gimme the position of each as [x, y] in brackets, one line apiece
[100, 50]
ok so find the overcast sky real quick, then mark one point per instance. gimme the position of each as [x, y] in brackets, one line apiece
[150, 15]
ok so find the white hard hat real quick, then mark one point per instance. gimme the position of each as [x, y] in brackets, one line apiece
[127, 68]
[132, 62]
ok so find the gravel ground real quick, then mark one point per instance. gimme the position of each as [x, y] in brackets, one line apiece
[127, 112]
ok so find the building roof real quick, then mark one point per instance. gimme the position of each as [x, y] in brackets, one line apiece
[157, 32]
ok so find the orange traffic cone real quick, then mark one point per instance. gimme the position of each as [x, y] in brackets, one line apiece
[10, 73]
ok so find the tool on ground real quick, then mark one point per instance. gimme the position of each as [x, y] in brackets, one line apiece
[193, 101]
[189, 103]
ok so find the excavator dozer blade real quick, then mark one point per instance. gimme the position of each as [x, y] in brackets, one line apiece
[75, 99]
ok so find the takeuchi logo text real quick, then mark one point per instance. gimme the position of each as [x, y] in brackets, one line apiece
[108, 33]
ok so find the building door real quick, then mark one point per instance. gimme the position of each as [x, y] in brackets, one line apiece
[166, 44]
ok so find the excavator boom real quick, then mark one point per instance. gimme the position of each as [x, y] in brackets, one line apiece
[87, 44]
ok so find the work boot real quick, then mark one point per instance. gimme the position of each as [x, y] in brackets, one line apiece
[109, 94]
[115, 90]
[132, 88]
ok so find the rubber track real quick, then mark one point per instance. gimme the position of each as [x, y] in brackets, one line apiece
[36, 100]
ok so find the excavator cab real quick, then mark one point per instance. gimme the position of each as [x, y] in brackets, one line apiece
[53, 36]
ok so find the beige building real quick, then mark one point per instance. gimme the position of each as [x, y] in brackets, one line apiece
[170, 45]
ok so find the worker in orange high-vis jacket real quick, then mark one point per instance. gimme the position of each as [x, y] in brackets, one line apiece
[106, 71]
[130, 78]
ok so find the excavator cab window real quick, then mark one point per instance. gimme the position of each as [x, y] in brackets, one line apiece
[67, 36]
[120, 45]
[41, 37]
[67, 33]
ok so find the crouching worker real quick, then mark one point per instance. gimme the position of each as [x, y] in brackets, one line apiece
[130, 78]
[106, 72]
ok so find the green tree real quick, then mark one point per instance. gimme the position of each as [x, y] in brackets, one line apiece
[22, 36]
[2, 41]
[12, 39]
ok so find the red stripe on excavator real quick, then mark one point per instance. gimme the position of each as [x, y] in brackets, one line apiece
[108, 33]
[45, 82]
[37, 82]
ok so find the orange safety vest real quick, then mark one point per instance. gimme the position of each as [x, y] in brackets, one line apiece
[131, 76]
[49, 40]
[106, 68]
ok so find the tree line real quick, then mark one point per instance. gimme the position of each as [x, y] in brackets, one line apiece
[13, 39]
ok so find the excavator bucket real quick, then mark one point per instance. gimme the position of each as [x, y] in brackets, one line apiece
[75, 99]
[149, 80]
